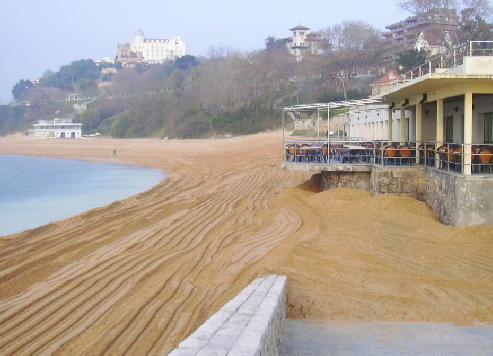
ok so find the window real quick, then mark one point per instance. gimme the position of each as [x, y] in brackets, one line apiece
[449, 129]
[488, 127]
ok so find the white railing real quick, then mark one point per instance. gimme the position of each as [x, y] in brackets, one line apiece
[442, 62]
[480, 48]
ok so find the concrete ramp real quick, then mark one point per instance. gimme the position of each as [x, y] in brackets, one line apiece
[385, 338]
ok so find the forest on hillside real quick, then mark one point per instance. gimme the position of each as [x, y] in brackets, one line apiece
[228, 92]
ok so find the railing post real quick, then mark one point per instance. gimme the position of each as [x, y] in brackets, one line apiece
[374, 152]
[455, 58]
[462, 160]
[420, 71]
[470, 48]
[425, 154]
[283, 139]
[448, 157]
[441, 62]
[429, 67]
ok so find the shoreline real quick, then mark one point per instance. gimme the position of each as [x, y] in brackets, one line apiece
[141, 274]
[162, 176]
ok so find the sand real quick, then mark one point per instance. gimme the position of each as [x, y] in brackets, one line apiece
[140, 275]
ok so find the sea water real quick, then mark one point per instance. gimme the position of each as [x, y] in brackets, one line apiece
[37, 191]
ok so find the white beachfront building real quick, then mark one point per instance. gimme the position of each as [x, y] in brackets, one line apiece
[58, 128]
[372, 123]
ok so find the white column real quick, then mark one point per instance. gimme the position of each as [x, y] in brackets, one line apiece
[467, 132]
[402, 126]
[419, 128]
[389, 127]
[439, 133]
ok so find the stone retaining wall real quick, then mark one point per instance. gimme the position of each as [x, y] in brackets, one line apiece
[405, 181]
[456, 199]
[349, 180]
[250, 324]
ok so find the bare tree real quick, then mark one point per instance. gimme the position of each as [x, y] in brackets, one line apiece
[479, 8]
[417, 7]
[355, 49]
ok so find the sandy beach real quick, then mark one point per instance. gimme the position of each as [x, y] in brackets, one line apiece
[140, 275]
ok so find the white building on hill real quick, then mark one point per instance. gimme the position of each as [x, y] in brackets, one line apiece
[304, 42]
[58, 128]
[157, 51]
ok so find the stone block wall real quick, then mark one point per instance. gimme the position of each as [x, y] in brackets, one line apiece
[406, 181]
[440, 195]
[250, 324]
[349, 180]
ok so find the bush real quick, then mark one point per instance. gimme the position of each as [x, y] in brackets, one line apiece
[120, 126]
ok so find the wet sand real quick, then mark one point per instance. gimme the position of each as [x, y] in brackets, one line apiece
[140, 275]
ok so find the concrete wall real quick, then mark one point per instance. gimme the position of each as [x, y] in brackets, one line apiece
[460, 200]
[479, 65]
[250, 324]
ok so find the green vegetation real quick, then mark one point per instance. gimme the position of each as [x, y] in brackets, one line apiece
[411, 59]
[81, 75]
[21, 88]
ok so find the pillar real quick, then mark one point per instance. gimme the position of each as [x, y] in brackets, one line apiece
[467, 133]
[389, 126]
[402, 127]
[439, 134]
[419, 128]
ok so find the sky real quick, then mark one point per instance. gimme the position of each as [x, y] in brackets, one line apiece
[36, 35]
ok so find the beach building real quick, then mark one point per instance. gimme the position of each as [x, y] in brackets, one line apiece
[58, 128]
[372, 123]
[440, 152]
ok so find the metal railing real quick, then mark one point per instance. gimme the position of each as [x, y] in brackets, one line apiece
[340, 152]
[452, 157]
[396, 154]
[448, 157]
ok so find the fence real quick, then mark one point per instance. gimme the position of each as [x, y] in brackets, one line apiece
[442, 156]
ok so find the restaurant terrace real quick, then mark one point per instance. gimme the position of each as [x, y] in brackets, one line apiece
[444, 138]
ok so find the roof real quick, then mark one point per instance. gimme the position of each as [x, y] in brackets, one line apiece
[333, 105]
[391, 76]
[314, 36]
[433, 38]
[431, 83]
[299, 28]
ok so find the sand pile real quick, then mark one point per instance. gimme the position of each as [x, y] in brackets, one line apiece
[140, 275]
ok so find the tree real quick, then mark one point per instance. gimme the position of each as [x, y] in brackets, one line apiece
[186, 62]
[355, 48]
[81, 74]
[477, 9]
[418, 7]
[474, 24]
[275, 45]
[21, 88]
[411, 59]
